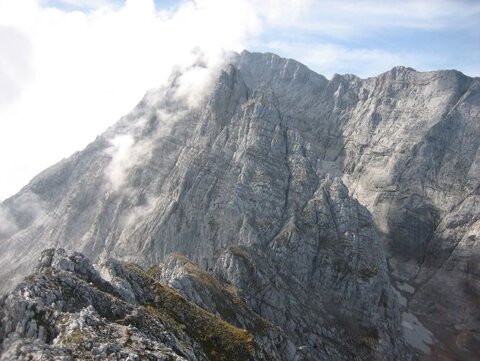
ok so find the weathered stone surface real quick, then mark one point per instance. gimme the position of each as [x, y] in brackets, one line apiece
[74, 314]
[288, 187]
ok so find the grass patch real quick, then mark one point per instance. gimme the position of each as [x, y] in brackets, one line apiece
[220, 340]
[369, 338]
[368, 273]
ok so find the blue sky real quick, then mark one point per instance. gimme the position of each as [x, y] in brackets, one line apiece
[71, 68]
[363, 37]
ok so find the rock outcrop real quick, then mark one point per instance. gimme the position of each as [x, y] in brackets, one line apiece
[67, 311]
[306, 195]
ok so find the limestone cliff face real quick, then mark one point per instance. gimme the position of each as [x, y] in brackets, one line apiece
[295, 190]
[66, 310]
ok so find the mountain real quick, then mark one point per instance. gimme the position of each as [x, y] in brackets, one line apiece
[72, 312]
[344, 212]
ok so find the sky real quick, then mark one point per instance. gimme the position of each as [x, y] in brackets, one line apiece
[70, 68]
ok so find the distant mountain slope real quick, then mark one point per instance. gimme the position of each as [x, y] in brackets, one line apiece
[287, 185]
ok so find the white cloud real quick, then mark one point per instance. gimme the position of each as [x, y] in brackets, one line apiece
[355, 36]
[65, 76]
[27, 208]
[15, 67]
[122, 159]
[86, 69]
[7, 223]
[328, 59]
[358, 18]
[131, 143]
[81, 4]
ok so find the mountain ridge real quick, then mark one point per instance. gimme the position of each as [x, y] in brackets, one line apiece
[274, 161]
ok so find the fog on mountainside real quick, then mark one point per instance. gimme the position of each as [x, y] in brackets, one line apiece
[289, 216]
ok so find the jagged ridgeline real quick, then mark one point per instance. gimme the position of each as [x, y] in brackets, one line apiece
[272, 215]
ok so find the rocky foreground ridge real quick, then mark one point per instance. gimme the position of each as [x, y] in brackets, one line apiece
[345, 212]
[67, 310]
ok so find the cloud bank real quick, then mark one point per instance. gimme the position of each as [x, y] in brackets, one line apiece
[24, 210]
[71, 68]
[75, 73]
[8, 225]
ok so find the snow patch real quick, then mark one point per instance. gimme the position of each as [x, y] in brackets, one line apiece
[416, 334]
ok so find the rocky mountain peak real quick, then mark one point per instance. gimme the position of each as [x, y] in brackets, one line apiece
[338, 212]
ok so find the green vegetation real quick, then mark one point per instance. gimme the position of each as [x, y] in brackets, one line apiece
[31, 279]
[368, 273]
[74, 338]
[369, 338]
[220, 340]
[211, 222]
[225, 296]
[238, 251]
[155, 272]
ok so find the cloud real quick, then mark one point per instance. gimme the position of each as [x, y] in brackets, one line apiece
[123, 157]
[196, 81]
[71, 68]
[329, 59]
[358, 18]
[28, 207]
[15, 66]
[7, 223]
[90, 68]
[81, 4]
[22, 211]
[133, 142]
[367, 37]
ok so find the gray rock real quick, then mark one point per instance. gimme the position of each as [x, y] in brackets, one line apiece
[90, 320]
[295, 190]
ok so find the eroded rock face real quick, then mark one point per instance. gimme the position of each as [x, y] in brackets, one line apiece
[295, 189]
[67, 311]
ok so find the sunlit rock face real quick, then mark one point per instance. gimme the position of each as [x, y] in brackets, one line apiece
[345, 212]
[66, 310]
